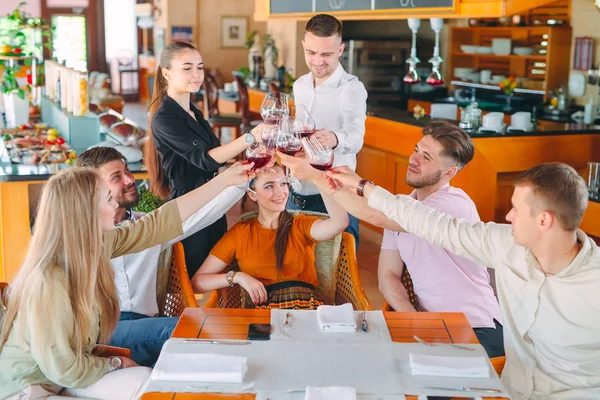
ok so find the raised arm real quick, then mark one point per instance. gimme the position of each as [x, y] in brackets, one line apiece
[344, 197]
[165, 223]
[483, 243]
[192, 201]
[326, 229]
[172, 132]
[227, 151]
[210, 213]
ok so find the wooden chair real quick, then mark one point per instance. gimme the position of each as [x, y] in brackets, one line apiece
[244, 103]
[408, 285]
[498, 364]
[100, 349]
[173, 287]
[214, 117]
[337, 272]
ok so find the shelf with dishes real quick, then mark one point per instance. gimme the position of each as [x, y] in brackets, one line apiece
[538, 57]
[509, 56]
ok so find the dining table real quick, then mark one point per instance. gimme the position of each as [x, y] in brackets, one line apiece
[225, 323]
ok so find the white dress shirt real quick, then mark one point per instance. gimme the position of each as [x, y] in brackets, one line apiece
[135, 274]
[551, 322]
[340, 105]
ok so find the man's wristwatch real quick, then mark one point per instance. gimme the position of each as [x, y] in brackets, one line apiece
[229, 276]
[115, 363]
[360, 188]
[249, 139]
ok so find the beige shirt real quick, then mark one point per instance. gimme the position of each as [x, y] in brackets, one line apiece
[24, 361]
[551, 322]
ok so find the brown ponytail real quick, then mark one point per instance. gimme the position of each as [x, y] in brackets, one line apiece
[159, 183]
[282, 236]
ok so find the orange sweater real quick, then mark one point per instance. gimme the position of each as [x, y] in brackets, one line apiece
[253, 246]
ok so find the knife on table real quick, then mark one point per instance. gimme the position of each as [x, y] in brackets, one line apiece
[217, 341]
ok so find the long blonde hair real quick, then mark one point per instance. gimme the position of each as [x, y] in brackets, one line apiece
[66, 250]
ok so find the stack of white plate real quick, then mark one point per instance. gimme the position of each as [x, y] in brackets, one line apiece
[520, 121]
[523, 51]
[501, 46]
[463, 73]
[469, 49]
[493, 122]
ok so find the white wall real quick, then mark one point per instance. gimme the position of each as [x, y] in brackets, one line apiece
[120, 32]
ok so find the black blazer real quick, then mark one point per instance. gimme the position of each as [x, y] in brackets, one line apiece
[183, 144]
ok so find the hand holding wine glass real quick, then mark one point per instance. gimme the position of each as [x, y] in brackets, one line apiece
[303, 123]
[288, 140]
[318, 156]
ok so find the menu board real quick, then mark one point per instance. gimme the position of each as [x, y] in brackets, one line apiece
[291, 6]
[340, 6]
[343, 5]
[412, 4]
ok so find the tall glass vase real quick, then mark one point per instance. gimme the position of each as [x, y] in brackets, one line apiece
[508, 98]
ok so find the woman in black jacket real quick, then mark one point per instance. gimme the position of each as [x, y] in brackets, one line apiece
[182, 152]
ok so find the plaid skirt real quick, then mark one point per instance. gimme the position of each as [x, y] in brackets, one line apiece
[294, 295]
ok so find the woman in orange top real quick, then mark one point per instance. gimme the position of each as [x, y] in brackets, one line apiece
[275, 251]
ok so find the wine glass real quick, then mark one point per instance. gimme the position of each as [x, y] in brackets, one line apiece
[288, 139]
[261, 156]
[318, 156]
[274, 103]
[303, 122]
[271, 129]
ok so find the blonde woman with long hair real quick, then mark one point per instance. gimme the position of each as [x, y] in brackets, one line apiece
[64, 301]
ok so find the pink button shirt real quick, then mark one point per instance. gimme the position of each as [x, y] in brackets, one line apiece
[442, 280]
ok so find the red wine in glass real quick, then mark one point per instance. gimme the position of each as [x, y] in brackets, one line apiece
[322, 167]
[259, 161]
[306, 133]
[290, 150]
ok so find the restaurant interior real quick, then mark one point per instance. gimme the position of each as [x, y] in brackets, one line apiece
[521, 78]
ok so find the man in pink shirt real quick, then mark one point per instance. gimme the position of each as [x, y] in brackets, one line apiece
[443, 282]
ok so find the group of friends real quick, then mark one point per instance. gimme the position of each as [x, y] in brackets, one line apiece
[90, 272]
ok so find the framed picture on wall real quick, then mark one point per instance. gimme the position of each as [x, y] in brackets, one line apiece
[182, 34]
[233, 31]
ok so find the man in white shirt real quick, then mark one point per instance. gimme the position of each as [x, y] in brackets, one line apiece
[547, 275]
[135, 274]
[337, 102]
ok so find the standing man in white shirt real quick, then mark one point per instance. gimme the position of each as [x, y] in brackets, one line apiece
[336, 100]
[138, 328]
[547, 275]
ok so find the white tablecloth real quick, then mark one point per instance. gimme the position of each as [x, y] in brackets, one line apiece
[380, 368]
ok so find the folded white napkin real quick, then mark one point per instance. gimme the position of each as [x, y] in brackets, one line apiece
[200, 368]
[455, 367]
[330, 393]
[337, 318]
